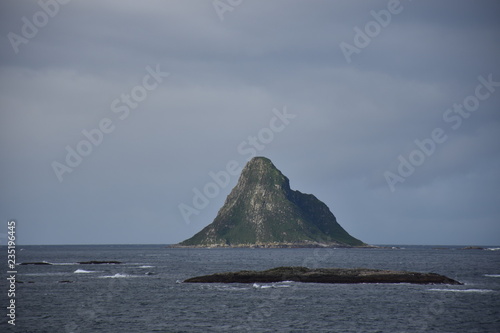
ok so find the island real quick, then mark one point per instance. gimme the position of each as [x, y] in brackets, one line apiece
[324, 275]
[262, 211]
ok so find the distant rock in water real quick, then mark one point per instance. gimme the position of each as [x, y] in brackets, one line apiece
[473, 248]
[99, 262]
[324, 275]
[262, 210]
[36, 263]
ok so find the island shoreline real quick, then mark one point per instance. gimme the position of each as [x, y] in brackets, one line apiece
[324, 275]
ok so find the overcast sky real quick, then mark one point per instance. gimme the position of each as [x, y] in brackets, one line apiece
[335, 93]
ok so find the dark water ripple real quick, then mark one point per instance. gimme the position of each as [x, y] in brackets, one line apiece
[122, 298]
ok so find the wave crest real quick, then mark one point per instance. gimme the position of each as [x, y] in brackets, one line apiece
[82, 271]
[481, 291]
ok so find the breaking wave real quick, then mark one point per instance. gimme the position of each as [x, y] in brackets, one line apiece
[82, 271]
[116, 276]
[266, 286]
[120, 276]
[261, 286]
[481, 291]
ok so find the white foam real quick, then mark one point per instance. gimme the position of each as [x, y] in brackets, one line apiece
[266, 286]
[116, 276]
[259, 286]
[146, 266]
[227, 288]
[493, 249]
[482, 291]
[492, 275]
[82, 271]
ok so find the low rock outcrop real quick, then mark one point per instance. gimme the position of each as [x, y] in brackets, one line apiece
[100, 262]
[35, 263]
[324, 275]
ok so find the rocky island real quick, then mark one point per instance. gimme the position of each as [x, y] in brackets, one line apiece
[324, 275]
[262, 211]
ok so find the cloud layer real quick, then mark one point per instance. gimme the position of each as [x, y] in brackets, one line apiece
[353, 119]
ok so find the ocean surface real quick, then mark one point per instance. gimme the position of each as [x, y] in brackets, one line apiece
[145, 293]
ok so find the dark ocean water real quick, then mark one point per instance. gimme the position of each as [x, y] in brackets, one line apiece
[122, 298]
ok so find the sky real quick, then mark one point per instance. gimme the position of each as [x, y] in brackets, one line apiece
[128, 122]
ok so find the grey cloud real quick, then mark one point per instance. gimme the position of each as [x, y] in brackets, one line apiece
[353, 120]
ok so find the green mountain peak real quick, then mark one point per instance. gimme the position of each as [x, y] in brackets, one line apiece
[263, 210]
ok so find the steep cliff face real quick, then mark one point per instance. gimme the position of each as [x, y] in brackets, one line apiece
[263, 210]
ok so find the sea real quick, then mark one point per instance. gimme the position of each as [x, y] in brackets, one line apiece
[145, 293]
